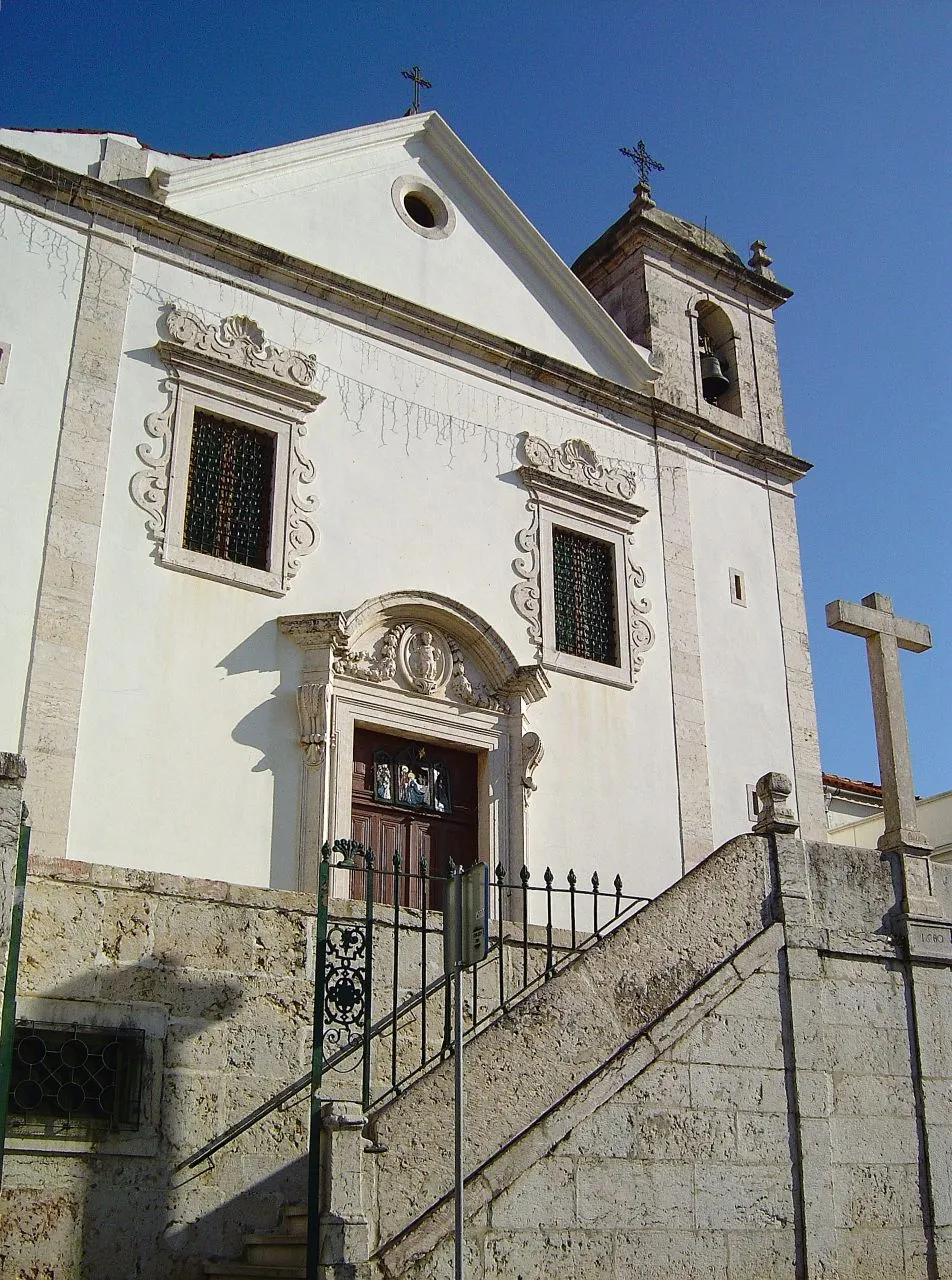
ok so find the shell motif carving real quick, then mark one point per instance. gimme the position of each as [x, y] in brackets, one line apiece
[239, 340]
[577, 461]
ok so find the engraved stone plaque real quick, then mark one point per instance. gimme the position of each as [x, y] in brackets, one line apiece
[930, 939]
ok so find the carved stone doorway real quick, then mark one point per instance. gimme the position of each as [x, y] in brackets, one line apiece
[420, 799]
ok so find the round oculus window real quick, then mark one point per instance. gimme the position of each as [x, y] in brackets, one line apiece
[422, 208]
[419, 210]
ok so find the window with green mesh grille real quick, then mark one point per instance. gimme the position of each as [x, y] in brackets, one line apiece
[584, 594]
[230, 482]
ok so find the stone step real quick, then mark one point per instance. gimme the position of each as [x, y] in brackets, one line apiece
[249, 1271]
[282, 1248]
[293, 1216]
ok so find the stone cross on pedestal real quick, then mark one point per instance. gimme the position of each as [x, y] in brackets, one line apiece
[885, 635]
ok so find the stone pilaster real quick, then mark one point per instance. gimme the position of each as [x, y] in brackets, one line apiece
[809, 1083]
[12, 774]
[345, 1236]
[690, 734]
[807, 780]
[58, 660]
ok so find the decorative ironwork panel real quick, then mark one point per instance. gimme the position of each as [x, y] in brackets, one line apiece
[228, 510]
[345, 985]
[584, 590]
[71, 1079]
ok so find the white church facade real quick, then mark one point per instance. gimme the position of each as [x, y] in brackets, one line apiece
[335, 504]
[336, 507]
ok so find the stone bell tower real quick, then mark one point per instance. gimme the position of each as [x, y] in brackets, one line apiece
[708, 319]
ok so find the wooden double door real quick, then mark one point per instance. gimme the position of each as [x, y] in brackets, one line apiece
[418, 799]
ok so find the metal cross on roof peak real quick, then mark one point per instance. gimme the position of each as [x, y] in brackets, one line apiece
[642, 161]
[416, 75]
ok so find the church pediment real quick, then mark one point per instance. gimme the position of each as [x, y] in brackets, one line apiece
[405, 207]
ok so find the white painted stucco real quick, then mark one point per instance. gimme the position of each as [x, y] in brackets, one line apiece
[42, 270]
[741, 646]
[188, 757]
[339, 213]
[189, 686]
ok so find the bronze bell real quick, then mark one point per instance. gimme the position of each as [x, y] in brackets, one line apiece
[713, 380]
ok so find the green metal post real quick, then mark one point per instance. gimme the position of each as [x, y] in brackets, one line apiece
[8, 1015]
[317, 1074]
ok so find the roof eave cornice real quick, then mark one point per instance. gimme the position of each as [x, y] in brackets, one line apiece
[181, 231]
[631, 231]
[168, 183]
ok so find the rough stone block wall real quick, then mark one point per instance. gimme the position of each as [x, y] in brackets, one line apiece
[750, 1080]
[220, 978]
[787, 1116]
[216, 974]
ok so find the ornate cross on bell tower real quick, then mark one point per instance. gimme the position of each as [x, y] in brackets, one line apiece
[644, 164]
[416, 75]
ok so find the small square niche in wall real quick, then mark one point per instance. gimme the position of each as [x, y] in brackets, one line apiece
[738, 587]
[753, 803]
[4, 361]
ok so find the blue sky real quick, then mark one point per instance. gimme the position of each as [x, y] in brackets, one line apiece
[822, 128]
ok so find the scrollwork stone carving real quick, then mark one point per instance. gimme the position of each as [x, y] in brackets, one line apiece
[570, 483]
[424, 661]
[532, 753]
[376, 668]
[526, 595]
[642, 632]
[314, 713]
[240, 341]
[209, 364]
[577, 461]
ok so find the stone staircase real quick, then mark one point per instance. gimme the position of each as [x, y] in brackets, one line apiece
[280, 1255]
[643, 984]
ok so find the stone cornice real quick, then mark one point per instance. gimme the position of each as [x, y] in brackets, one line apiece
[237, 349]
[634, 229]
[183, 233]
[574, 468]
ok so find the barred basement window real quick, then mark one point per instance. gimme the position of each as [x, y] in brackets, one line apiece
[584, 591]
[72, 1080]
[230, 482]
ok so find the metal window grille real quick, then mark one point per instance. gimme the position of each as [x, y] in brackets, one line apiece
[73, 1079]
[584, 588]
[230, 481]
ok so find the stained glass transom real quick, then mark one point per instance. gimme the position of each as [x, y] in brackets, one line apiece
[231, 473]
[410, 778]
[584, 592]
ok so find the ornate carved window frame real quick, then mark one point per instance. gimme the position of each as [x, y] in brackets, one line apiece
[359, 670]
[231, 370]
[570, 488]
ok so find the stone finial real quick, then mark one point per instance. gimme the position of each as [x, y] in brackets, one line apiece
[775, 817]
[642, 201]
[759, 261]
[12, 767]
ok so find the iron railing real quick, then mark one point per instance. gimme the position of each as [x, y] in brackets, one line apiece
[381, 998]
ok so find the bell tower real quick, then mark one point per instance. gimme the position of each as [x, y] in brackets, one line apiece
[708, 319]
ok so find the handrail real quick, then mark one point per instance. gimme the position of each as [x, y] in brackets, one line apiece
[387, 1022]
[298, 1086]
